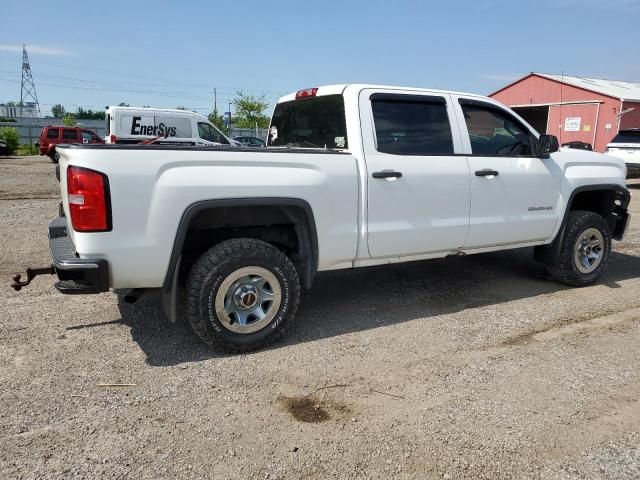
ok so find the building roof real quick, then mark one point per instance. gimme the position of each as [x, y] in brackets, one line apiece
[612, 88]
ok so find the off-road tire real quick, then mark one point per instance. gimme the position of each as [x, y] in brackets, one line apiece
[210, 271]
[566, 270]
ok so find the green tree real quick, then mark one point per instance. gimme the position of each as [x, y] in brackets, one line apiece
[180, 107]
[58, 111]
[10, 136]
[89, 114]
[122, 104]
[68, 120]
[250, 111]
[218, 121]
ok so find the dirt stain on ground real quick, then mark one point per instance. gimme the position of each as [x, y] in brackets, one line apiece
[305, 409]
[308, 409]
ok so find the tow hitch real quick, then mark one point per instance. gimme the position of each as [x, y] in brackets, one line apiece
[31, 274]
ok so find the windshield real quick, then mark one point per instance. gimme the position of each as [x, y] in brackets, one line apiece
[627, 136]
[316, 122]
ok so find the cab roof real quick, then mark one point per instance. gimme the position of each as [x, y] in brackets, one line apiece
[342, 89]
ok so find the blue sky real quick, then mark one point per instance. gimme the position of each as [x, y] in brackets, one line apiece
[167, 54]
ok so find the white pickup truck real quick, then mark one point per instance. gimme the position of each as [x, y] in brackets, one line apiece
[355, 175]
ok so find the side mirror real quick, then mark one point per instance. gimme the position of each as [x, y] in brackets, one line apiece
[547, 144]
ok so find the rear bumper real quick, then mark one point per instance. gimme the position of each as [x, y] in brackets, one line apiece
[77, 275]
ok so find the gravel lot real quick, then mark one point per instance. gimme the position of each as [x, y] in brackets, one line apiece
[474, 367]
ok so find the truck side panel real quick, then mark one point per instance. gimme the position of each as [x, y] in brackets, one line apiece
[150, 191]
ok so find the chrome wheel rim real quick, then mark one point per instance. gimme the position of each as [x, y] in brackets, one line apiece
[588, 250]
[248, 300]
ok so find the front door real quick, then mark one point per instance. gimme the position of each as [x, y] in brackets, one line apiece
[418, 188]
[514, 194]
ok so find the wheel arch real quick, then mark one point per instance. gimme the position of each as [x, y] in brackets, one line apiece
[608, 200]
[298, 211]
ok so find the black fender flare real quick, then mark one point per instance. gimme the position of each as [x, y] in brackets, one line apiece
[307, 237]
[550, 253]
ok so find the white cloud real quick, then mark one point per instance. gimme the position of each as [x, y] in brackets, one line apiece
[499, 77]
[38, 50]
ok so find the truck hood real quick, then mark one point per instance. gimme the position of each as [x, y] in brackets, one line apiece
[579, 163]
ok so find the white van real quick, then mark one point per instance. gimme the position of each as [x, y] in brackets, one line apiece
[167, 126]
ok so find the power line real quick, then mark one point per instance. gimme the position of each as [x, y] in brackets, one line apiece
[131, 82]
[175, 95]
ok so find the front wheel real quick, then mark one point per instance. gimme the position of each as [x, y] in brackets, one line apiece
[242, 295]
[585, 250]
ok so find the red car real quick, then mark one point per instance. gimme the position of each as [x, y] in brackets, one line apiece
[55, 134]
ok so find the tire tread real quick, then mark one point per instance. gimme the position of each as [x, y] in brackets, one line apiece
[211, 262]
[564, 271]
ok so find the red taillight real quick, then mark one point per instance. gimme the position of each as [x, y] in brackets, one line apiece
[88, 196]
[307, 92]
[112, 138]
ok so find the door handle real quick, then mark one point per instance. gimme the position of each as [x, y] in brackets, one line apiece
[387, 174]
[487, 172]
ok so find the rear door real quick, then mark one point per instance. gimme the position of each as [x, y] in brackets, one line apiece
[514, 194]
[418, 187]
[70, 135]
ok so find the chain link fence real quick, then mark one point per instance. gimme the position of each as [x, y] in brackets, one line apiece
[29, 129]
[261, 133]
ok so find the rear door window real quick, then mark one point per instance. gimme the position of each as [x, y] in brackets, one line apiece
[69, 134]
[53, 133]
[411, 124]
[628, 137]
[314, 122]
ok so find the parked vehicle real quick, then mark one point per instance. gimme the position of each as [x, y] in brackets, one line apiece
[250, 141]
[131, 125]
[579, 145]
[626, 145]
[4, 148]
[53, 135]
[353, 176]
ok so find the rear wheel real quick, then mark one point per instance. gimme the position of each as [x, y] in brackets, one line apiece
[242, 294]
[585, 250]
[54, 156]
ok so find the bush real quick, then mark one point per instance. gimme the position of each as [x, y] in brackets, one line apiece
[10, 136]
[68, 120]
[27, 150]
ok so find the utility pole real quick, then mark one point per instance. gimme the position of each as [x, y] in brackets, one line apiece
[215, 100]
[27, 87]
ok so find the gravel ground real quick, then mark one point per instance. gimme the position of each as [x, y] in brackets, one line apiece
[475, 367]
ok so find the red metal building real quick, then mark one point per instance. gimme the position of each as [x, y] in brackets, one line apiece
[573, 108]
